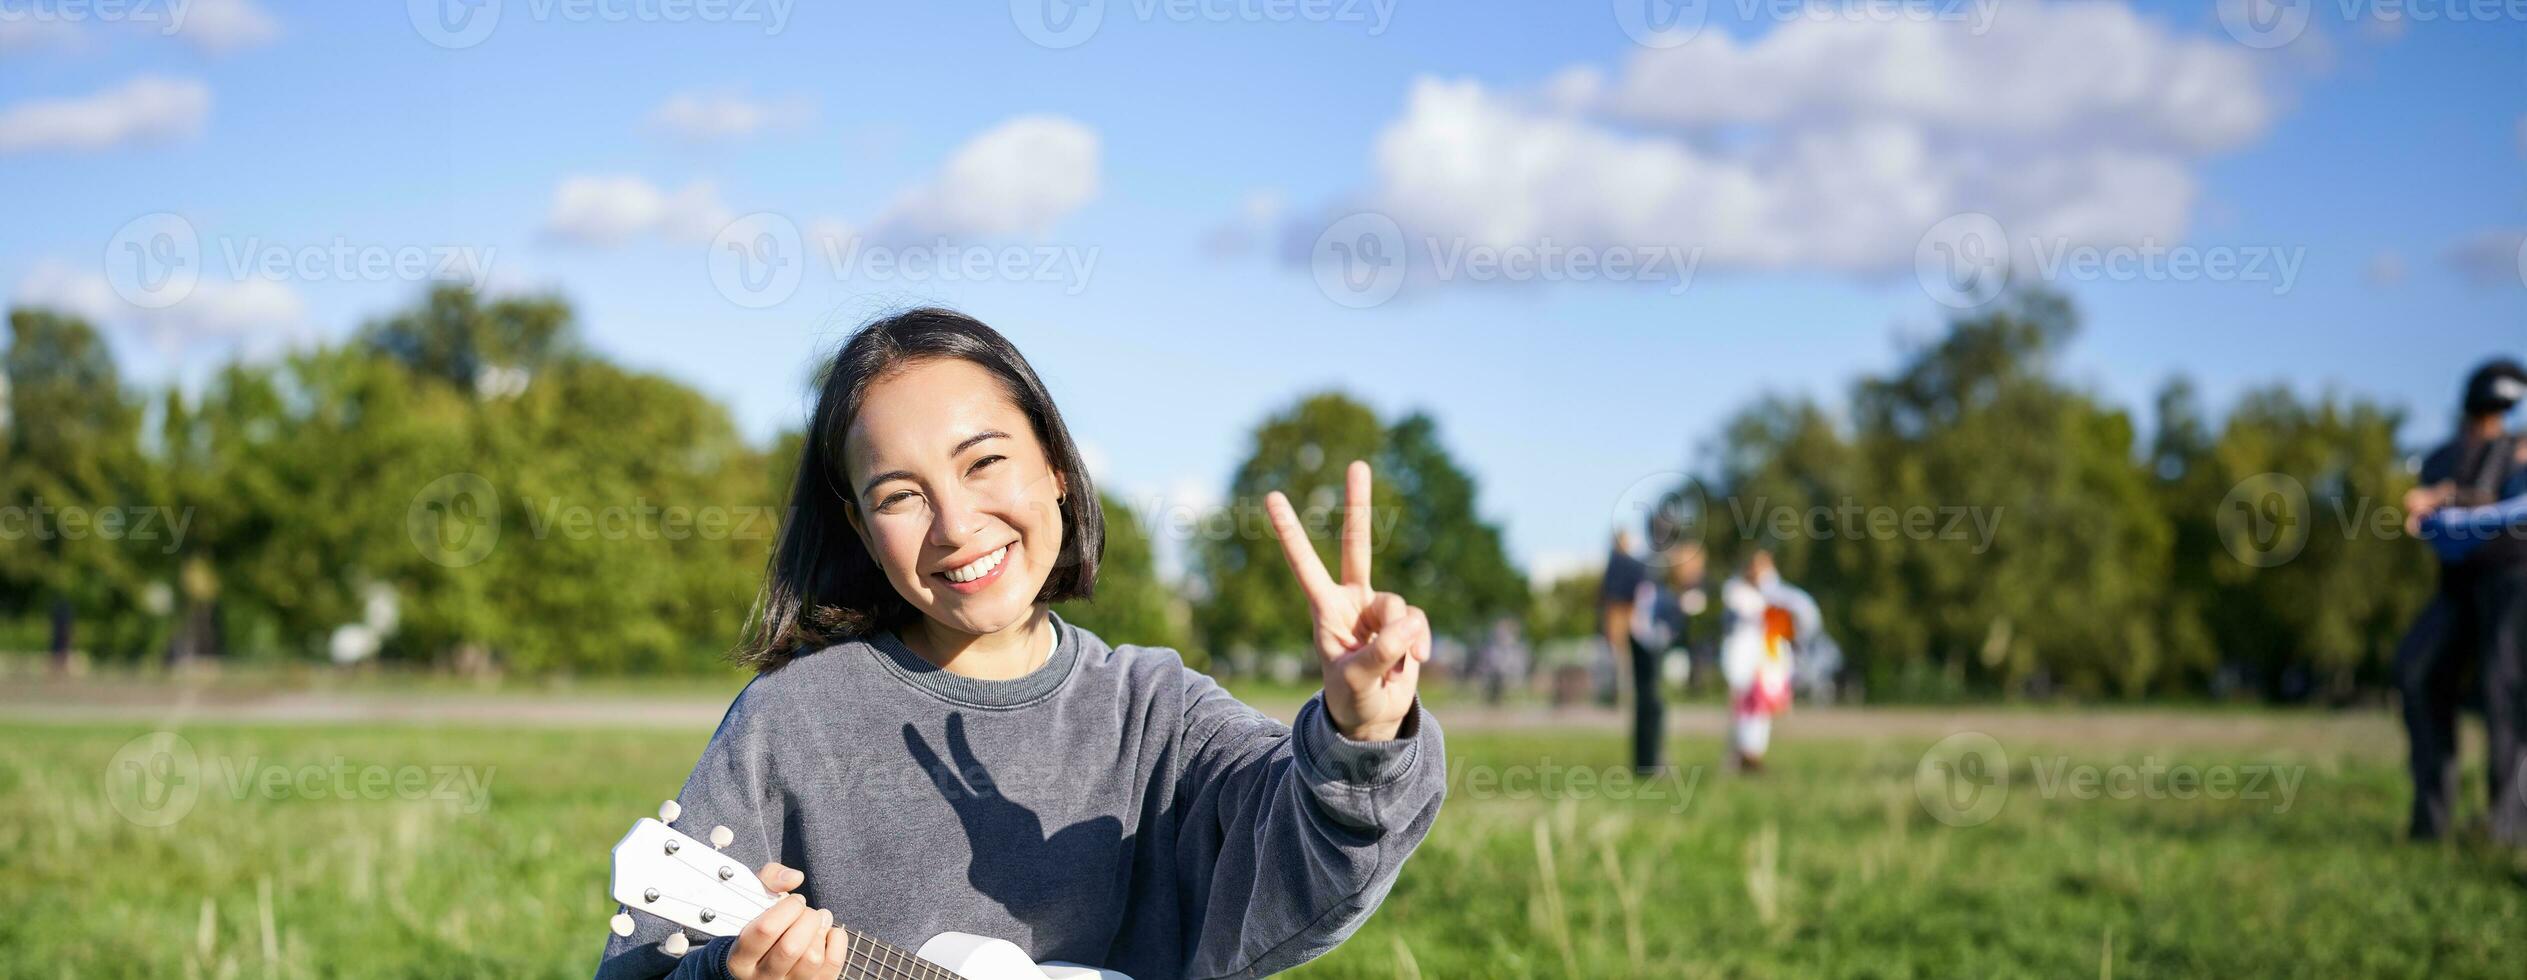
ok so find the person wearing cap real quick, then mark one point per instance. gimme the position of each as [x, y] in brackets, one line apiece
[1644, 612]
[2478, 617]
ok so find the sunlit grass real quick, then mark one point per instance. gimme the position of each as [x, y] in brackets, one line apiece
[1828, 864]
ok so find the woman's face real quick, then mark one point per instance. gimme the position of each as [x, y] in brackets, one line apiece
[956, 499]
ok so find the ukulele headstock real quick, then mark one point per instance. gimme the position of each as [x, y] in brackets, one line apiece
[664, 872]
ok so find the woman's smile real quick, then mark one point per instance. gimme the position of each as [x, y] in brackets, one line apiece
[976, 575]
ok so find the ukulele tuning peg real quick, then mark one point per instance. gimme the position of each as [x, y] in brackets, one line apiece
[675, 944]
[669, 811]
[621, 924]
[720, 837]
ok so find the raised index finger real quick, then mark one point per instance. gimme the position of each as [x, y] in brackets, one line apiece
[1355, 525]
[1295, 546]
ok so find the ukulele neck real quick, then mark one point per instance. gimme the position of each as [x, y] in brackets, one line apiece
[871, 958]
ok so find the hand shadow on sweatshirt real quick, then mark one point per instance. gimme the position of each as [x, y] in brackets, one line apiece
[1047, 882]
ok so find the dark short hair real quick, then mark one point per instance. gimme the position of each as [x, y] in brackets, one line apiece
[823, 586]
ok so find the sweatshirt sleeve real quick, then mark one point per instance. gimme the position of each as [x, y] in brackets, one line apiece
[1291, 836]
[2454, 532]
[730, 787]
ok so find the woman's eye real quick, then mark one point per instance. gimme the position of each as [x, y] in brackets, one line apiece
[983, 462]
[894, 498]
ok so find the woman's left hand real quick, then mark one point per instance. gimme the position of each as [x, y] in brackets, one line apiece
[1369, 644]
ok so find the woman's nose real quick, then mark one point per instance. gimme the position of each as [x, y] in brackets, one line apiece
[955, 519]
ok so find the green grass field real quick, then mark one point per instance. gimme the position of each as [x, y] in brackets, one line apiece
[1830, 864]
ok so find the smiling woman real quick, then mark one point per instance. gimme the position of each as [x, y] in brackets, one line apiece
[935, 454]
[928, 750]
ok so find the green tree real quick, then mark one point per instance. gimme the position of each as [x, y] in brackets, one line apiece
[1133, 605]
[1444, 557]
[457, 337]
[2067, 585]
[70, 474]
[2321, 614]
[1564, 609]
[1429, 542]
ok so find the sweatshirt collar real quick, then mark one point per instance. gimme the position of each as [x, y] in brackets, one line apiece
[975, 692]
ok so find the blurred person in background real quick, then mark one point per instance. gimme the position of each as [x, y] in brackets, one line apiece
[2478, 619]
[1501, 660]
[1642, 612]
[1624, 573]
[1768, 623]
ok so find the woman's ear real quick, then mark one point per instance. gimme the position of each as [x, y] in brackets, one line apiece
[851, 516]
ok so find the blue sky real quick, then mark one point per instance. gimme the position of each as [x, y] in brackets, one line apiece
[595, 148]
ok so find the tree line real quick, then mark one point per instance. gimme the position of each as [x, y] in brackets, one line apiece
[465, 483]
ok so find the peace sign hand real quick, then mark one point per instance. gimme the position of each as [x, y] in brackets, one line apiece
[1370, 644]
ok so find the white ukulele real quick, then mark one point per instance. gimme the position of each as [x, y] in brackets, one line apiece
[661, 871]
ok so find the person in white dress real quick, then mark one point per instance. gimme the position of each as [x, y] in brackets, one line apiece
[1767, 622]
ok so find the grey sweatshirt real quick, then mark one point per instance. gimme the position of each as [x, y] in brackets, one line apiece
[1114, 808]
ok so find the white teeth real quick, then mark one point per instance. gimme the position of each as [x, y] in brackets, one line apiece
[978, 567]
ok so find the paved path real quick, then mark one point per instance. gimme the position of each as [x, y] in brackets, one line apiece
[2361, 732]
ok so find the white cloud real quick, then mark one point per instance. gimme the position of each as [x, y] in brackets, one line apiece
[2077, 72]
[614, 209]
[1832, 143]
[56, 285]
[225, 26]
[1018, 178]
[145, 109]
[703, 118]
[259, 315]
